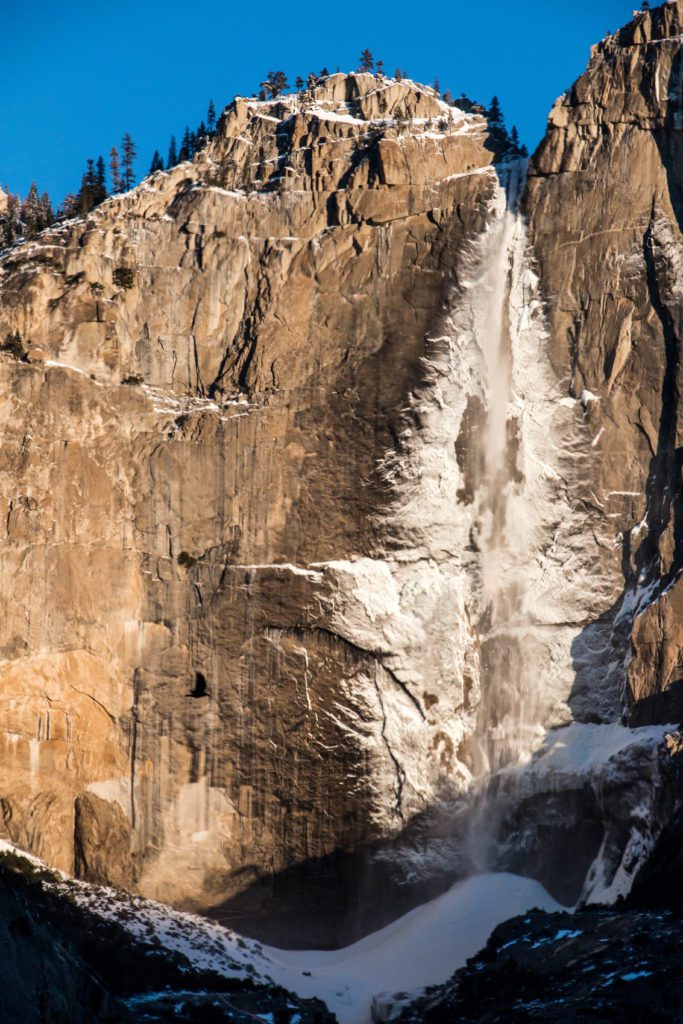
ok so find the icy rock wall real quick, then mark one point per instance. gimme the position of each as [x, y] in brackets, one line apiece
[499, 433]
[480, 507]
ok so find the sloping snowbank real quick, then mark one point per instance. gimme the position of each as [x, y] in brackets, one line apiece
[422, 948]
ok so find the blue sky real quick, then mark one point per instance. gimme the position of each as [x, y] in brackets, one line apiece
[74, 76]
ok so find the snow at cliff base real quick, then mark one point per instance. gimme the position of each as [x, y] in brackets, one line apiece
[422, 948]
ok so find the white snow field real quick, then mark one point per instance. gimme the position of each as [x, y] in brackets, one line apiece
[422, 948]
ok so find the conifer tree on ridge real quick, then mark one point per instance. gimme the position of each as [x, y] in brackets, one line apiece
[367, 61]
[115, 171]
[129, 154]
[211, 118]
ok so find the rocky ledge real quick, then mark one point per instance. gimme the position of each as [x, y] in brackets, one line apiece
[595, 965]
[62, 963]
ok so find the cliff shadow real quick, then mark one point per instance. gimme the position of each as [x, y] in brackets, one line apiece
[333, 901]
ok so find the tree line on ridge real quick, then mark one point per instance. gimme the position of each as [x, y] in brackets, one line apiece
[24, 219]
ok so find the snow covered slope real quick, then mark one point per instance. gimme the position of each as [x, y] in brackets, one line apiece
[421, 948]
[418, 950]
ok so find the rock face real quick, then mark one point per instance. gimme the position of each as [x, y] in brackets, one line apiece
[604, 209]
[205, 653]
[597, 964]
[330, 481]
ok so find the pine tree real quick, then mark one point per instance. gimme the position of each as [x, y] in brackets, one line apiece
[379, 67]
[129, 154]
[448, 97]
[507, 143]
[367, 61]
[311, 81]
[172, 154]
[437, 87]
[324, 73]
[115, 171]
[69, 207]
[10, 221]
[517, 147]
[31, 212]
[494, 114]
[202, 136]
[157, 163]
[397, 74]
[211, 119]
[87, 195]
[184, 153]
[48, 213]
[14, 214]
[299, 83]
[645, 6]
[275, 83]
[100, 182]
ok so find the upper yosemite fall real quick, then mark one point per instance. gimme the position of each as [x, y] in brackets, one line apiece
[340, 514]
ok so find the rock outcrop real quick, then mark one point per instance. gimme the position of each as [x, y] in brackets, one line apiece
[64, 961]
[597, 964]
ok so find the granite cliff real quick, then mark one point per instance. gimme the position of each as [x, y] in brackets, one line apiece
[205, 679]
[604, 207]
[338, 466]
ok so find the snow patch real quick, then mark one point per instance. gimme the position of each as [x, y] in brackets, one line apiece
[422, 948]
[581, 749]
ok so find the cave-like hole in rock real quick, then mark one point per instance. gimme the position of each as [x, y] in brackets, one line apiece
[199, 685]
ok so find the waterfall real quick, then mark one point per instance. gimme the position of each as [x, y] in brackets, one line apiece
[482, 494]
[534, 578]
[509, 716]
[480, 621]
[525, 674]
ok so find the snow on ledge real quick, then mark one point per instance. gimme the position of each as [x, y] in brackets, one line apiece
[580, 749]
